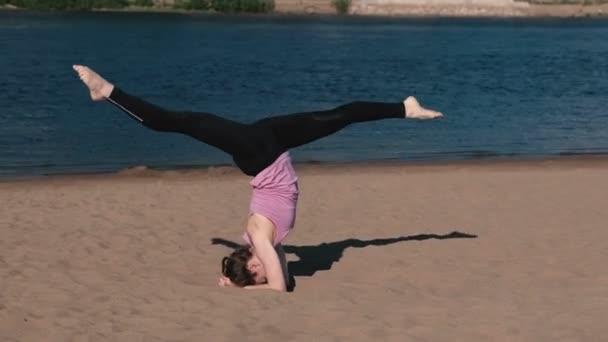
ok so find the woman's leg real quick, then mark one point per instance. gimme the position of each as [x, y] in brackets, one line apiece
[252, 148]
[227, 135]
[301, 128]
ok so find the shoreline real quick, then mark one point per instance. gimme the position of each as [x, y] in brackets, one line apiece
[231, 171]
[522, 10]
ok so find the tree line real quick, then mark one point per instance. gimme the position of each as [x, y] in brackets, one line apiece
[252, 6]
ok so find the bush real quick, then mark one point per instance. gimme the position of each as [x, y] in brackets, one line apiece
[341, 6]
[144, 3]
[250, 6]
[200, 4]
[68, 4]
[228, 6]
[192, 4]
[110, 3]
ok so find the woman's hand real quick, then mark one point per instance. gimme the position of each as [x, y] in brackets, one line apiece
[225, 282]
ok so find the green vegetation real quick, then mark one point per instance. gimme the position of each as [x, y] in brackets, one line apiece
[66, 4]
[341, 6]
[192, 4]
[143, 3]
[227, 6]
[250, 6]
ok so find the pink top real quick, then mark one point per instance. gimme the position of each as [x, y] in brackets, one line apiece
[275, 196]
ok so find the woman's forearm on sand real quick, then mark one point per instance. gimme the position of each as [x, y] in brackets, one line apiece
[258, 287]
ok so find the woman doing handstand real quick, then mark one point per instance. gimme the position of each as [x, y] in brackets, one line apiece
[260, 150]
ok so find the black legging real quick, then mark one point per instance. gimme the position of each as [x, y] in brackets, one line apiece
[257, 145]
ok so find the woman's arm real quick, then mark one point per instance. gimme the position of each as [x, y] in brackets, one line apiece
[261, 231]
[283, 262]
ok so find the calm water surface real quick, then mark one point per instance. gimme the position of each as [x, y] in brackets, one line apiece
[508, 88]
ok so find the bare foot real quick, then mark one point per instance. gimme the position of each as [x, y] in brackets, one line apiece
[100, 88]
[414, 110]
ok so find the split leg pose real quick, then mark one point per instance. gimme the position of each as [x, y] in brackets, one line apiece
[260, 150]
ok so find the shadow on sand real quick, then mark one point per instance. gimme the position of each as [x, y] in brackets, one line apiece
[321, 257]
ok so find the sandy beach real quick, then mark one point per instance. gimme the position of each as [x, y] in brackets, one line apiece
[135, 256]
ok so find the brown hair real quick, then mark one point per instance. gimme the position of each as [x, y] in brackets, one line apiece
[234, 267]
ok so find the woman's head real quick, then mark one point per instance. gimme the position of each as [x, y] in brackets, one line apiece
[243, 268]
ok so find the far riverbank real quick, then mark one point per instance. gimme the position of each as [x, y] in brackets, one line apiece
[410, 8]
